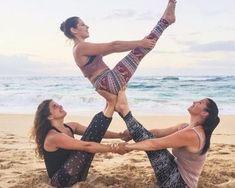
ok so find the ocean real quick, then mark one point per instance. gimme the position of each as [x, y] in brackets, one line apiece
[166, 95]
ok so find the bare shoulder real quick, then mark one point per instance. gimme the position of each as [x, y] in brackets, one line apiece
[79, 58]
[73, 125]
[81, 47]
[192, 135]
[48, 143]
[200, 130]
[182, 126]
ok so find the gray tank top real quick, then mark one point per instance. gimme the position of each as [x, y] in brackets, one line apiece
[190, 164]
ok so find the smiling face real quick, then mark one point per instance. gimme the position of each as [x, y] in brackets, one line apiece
[199, 107]
[56, 110]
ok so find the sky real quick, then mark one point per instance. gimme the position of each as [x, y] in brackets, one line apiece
[201, 42]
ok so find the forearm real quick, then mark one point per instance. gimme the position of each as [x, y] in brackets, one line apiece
[110, 134]
[159, 133]
[146, 145]
[123, 46]
[94, 147]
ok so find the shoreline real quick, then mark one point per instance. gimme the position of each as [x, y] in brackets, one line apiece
[20, 124]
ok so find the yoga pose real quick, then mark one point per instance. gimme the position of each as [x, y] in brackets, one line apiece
[88, 56]
[189, 142]
[68, 159]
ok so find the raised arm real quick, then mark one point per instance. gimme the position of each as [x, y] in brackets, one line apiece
[167, 131]
[88, 49]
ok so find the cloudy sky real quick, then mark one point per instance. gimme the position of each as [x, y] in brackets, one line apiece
[201, 42]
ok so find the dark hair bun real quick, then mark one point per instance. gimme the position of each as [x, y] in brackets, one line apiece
[62, 26]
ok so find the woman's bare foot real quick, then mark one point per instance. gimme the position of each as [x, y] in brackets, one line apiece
[169, 14]
[122, 104]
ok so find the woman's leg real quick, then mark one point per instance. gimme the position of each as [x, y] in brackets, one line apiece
[114, 80]
[162, 161]
[76, 167]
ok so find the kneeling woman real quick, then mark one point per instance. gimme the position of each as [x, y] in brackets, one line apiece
[68, 159]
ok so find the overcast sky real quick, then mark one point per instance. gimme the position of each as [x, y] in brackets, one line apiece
[201, 42]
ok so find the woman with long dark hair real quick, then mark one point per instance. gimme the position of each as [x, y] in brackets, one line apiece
[68, 159]
[189, 142]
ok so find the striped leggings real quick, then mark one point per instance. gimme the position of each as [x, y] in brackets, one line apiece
[113, 80]
[162, 161]
[77, 165]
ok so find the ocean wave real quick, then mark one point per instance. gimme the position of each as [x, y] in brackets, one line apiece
[170, 78]
[145, 93]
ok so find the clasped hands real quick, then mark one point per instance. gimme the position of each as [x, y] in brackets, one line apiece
[121, 148]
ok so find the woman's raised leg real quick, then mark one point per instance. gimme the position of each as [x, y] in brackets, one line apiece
[114, 80]
[77, 165]
[162, 161]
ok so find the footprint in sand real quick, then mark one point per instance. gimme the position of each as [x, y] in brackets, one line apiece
[136, 160]
[229, 184]
[223, 153]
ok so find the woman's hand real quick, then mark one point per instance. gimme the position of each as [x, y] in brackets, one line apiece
[110, 98]
[119, 148]
[125, 136]
[147, 43]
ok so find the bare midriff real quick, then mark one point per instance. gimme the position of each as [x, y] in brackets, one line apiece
[95, 68]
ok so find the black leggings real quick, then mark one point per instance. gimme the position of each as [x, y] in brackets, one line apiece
[77, 165]
[162, 161]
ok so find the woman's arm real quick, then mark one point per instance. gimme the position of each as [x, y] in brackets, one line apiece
[61, 140]
[125, 135]
[80, 130]
[185, 138]
[168, 131]
[88, 49]
[110, 134]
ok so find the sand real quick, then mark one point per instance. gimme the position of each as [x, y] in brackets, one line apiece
[20, 168]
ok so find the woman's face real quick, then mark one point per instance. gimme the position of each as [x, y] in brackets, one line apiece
[198, 107]
[82, 29]
[56, 110]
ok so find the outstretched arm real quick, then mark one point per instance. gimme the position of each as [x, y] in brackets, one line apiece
[186, 138]
[80, 130]
[167, 131]
[60, 140]
[88, 49]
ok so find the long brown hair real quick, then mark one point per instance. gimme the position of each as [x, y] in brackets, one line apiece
[41, 126]
[210, 123]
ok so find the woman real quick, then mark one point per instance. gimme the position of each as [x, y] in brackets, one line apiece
[88, 56]
[67, 159]
[189, 142]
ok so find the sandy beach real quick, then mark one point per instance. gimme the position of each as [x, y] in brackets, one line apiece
[20, 168]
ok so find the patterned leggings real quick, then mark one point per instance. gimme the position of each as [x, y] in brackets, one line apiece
[77, 165]
[114, 80]
[162, 161]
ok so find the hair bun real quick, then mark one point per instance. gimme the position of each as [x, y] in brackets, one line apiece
[62, 26]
